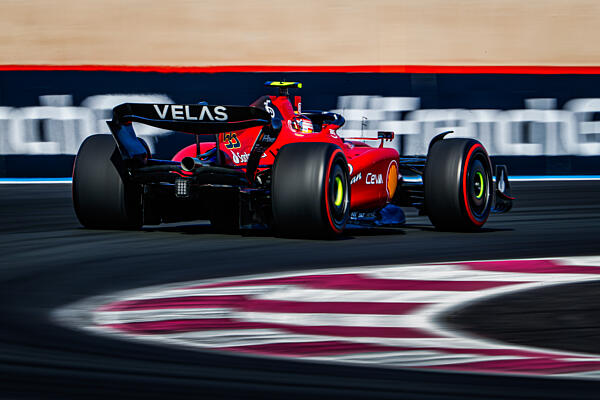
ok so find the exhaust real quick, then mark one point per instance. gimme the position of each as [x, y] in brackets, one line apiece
[190, 163]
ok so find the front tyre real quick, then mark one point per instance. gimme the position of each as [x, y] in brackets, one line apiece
[103, 198]
[310, 189]
[458, 185]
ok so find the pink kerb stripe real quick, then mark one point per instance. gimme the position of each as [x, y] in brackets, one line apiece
[359, 282]
[243, 303]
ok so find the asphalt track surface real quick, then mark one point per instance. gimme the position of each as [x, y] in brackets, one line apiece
[47, 261]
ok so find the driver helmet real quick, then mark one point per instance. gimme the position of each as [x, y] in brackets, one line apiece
[302, 124]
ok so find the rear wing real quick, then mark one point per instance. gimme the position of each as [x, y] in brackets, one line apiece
[196, 119]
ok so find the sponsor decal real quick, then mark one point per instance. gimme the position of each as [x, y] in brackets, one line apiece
[362, 215]
[356, 178]
[268, 138]
[240, 158]
[374, 179]
[231, 141]
[392, 179]
[182, 112]
[268, 108]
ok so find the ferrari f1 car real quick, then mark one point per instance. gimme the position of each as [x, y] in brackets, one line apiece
[273, 166]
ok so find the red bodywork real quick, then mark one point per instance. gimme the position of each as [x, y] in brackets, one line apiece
[373, 171]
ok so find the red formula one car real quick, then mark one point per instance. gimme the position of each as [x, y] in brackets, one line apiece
[272, 165]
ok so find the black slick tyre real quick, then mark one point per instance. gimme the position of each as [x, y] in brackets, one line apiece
[458, 185]
[310, 189]
[103, 198]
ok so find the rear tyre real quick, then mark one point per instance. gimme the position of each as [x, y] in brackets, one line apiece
[103, 198]
[458, 185]
[310, 189]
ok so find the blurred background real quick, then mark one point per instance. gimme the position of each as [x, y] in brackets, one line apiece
[309, 32]
[65, 64]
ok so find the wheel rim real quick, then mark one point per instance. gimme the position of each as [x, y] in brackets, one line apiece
[478, 179]
[479, 184]
[338, 196]
[339, 192]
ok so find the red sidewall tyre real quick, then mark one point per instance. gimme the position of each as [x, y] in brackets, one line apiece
[458, 185]
[310, 189]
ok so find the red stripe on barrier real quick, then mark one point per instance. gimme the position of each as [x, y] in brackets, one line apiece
[395, 69]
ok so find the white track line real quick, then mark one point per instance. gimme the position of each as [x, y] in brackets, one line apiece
[462, 273]
[301, 319]
[415, 359]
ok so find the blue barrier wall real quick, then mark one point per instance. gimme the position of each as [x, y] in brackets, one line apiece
[538, 124]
